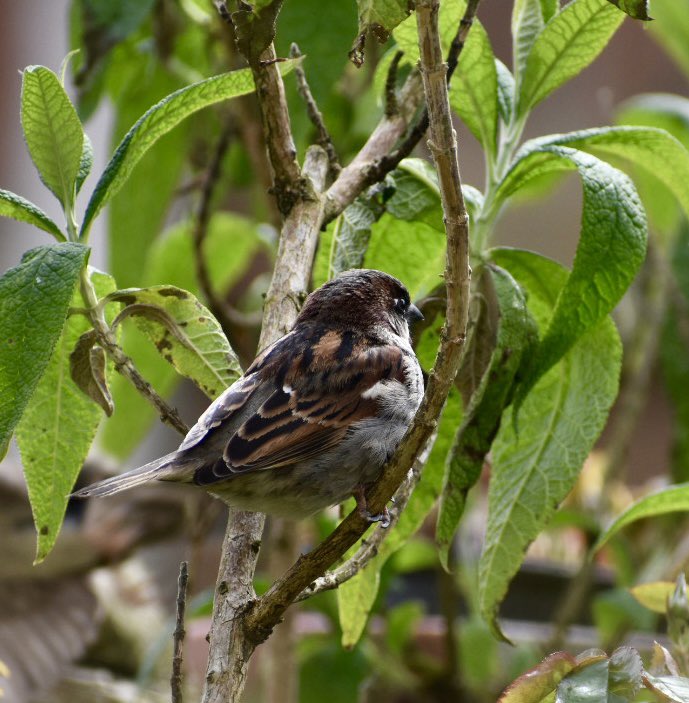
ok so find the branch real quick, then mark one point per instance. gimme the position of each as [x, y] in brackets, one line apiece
[377, 158]
[266, 612]
[324, 139]
[176, 679]
[230, 648]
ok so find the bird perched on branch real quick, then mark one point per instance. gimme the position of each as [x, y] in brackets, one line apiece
[316, 415]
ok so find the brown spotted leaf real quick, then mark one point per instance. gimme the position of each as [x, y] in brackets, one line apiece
[185, 333]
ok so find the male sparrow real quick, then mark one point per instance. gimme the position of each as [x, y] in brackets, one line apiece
[316, 415]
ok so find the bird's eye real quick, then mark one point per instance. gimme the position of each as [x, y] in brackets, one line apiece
[400, 305]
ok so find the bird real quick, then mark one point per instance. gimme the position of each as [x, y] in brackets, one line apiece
[317, 414]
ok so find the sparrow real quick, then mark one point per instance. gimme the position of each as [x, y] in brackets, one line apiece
[317, 414]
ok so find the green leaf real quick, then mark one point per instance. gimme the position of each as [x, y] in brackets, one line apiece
[673, 689]
[587, 682]
[654, 596]
[612, 245]
[638, 9]
[185, 333]
[505, 91]
[357, 596]
[536, 465]
[159, 120]
[674, 499]
[516, 331]
[419, 262]
[379, 17]
[527, 24]
[534, 685]
[671, 29]
[474, 88]
[14, 206]
[567, 45]
[624, 673]
[56, 430]
[52, 131]
[343, 245]
[86, 162]
[34, 298]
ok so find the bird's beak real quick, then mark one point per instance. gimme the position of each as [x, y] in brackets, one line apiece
[413, 314]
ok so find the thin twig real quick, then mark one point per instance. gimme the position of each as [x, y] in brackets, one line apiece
[324, 139]
[226, 314]
[266, 612]
[391, 106]
[177, 678]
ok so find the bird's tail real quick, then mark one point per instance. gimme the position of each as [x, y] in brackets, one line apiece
[155, 470]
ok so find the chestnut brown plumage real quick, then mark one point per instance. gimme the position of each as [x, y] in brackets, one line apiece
[315, 416]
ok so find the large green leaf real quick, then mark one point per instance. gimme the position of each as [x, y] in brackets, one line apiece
[14, 206]
[34, 298]
[52, 131]
[567, 45]
[474, 88]
[57, 428]
[537, 458]
[674, 499]
[159, 120]
[516, 332]
[185, 333]
[356, 597]
[611, 248]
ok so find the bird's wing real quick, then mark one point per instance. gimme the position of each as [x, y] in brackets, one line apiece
[312, 403]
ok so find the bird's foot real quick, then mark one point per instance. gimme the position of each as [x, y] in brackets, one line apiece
[362, 505]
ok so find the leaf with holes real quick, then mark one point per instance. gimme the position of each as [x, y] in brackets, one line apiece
[52, 131]
[536, 465]
[34, 298]
[185, 334]
[57, 429]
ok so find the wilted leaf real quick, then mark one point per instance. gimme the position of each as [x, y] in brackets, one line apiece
[87, 365]
[379, 17]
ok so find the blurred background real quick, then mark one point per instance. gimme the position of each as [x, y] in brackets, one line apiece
[93, 622]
